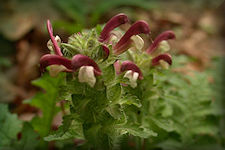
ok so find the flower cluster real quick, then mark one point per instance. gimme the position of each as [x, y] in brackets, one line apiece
[112, 44]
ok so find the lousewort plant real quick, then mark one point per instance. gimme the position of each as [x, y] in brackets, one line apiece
[106, 83]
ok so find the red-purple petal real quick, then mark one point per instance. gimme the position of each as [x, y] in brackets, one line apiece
[166, 57]
[167, 35]
[80, 60]
[129, 65]
[57, 49]
[117, 67]
[49, 59]
[113, 23]
[106, 51]
[138, 27]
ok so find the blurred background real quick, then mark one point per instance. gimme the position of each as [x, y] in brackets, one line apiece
[198, 24]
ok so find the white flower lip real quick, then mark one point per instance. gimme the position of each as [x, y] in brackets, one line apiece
[164, 46]
[50, 44]
[138, 42]
[86, 75]
[132, 76]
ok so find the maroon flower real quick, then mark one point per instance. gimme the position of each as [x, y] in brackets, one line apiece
[165, 57]
[57, 49]
[137, 28]
[106, 51]
[126, 66]
[132, 72]
[163, 36]
[80, 60]
[117, 67]
[113, 23]
[50, 59]
[129, 65]
[70, 65]
[57, 58]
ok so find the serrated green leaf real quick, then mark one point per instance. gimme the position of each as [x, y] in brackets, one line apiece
[130, 100]
[70, 129]
[136, 130]
[163, 123]
[10, 126]
[46, 101]
[115, 111]
[29, 139]
[113, 92]
[109, 75]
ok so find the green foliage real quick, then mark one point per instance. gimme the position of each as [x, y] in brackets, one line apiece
[83, 11]
[191, 117]
[29, 139]
[46, 101]
[71, 128]
[166, 109]
[164, 103]
[11, 127]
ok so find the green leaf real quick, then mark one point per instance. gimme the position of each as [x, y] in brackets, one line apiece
[113, 92]
[167, 111]
[165, 124]
[70, 129]
[115, 111]
[109, 75]
[98, 29]
[10, 126]
[29, 139]
[130, 100]
[136, 130]
[46, 101]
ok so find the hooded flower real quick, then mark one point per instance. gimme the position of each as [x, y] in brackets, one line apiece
[161, 42]
[87, 67]
[132, 71]
[109, 40]
[80, 60]
[56, 61]
[125, 42]
[113, 23]
[163, 60]
[167, 35]
[49, 59]
[130, 40]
